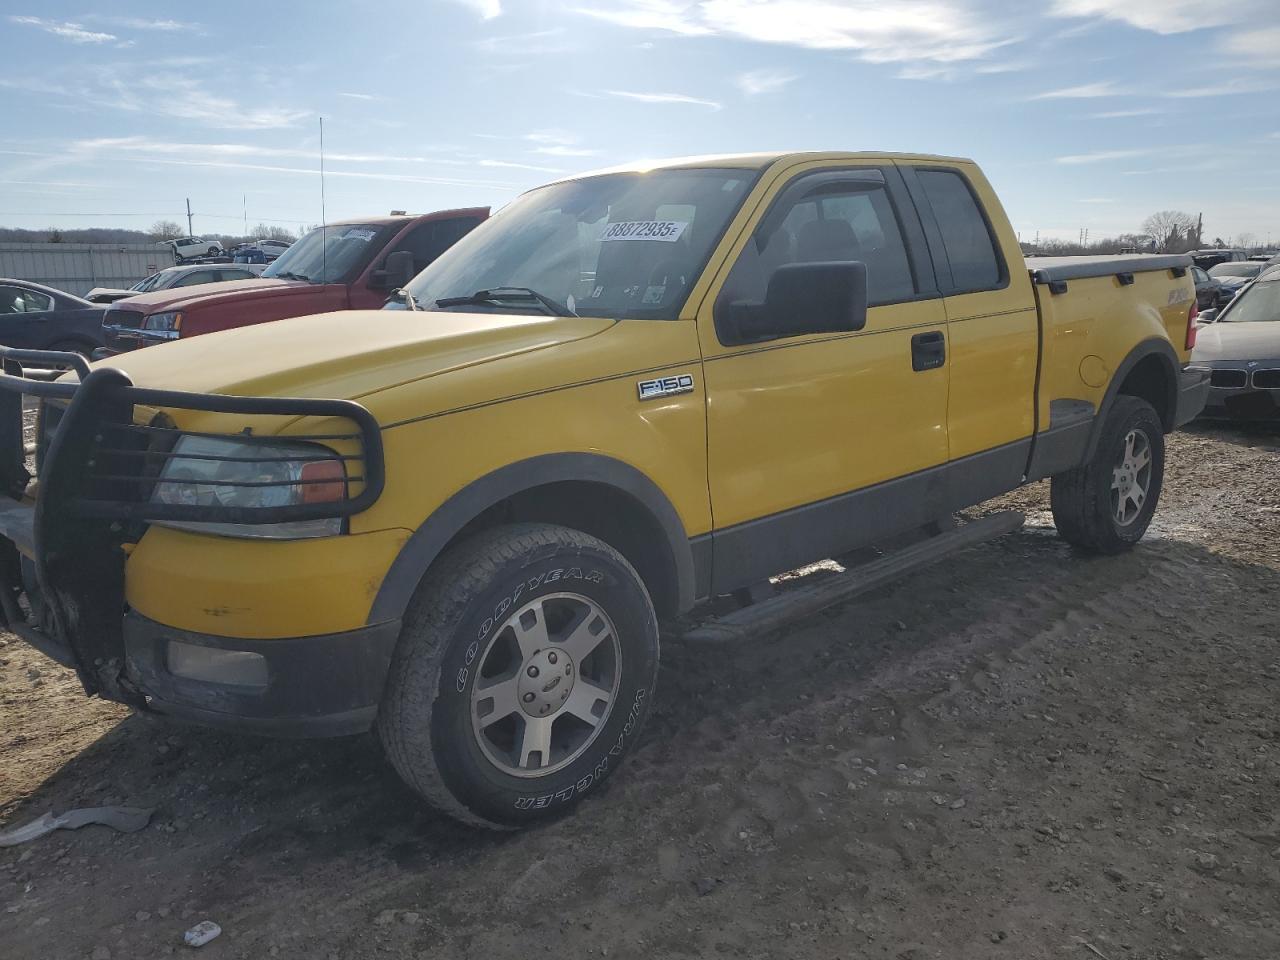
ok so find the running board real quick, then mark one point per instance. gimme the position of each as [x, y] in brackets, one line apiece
[792, 604]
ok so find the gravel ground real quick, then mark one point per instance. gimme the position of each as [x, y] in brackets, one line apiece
[1018, 753]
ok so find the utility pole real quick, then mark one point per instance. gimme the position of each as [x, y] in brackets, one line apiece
[190, 232]
[244, 199]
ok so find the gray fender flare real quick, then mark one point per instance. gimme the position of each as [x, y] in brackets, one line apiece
[1147, 348]
[427, 542]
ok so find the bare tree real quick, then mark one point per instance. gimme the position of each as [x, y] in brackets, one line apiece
[1246, 241]
[1170, 229]
[265, 232]
[165, 230]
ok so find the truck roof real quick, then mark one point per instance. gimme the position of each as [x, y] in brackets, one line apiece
[758, 161]
[406, 217]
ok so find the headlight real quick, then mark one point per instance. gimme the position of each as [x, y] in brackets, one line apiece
[215, 472]
[164, 324]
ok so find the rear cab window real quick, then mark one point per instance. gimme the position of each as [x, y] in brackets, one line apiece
[967, 237]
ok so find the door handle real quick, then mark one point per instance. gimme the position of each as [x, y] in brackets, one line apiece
[928, 350]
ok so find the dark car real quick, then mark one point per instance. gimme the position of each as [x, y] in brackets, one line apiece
[40, 318]
[1210, 292]
[1210, 258]
[1235, 274]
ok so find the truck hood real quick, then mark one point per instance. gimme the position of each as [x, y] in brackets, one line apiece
[1238, 341]
[344, 355]
[184, 298]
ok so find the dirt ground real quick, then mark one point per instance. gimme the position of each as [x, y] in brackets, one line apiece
[1019, 753]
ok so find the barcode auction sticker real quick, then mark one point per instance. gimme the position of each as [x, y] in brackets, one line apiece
[667, 231]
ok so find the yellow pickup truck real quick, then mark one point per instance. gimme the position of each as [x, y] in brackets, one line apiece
[459, 520]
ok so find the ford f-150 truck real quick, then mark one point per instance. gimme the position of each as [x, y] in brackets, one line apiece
[350, 265]
[624, 392]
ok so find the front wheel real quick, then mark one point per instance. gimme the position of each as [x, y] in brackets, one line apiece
[523, 674]
[1106, 505]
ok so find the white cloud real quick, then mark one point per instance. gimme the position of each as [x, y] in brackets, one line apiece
[1095, 200]
[556, 143]
[946, 31]
[1257, 44]
[358, 96]
[1123, 114]
[1104, 88]
[756, 82]
[488, 9]
[1166, 16]
[163, 26]
[1219, 89]
[663, 98]
[74, 32]
[512, 165]
[1101, 156]
[534, 43]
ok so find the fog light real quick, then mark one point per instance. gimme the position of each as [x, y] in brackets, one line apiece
[235, 667]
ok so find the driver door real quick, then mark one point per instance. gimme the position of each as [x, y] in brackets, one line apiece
[820, 442]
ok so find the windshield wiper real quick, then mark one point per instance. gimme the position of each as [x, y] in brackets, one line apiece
[288, 275]
[498, 294]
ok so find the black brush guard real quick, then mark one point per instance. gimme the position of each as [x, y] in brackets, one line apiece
[62, 560]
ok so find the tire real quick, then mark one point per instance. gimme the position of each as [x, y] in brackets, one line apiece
[213, 252]
[1087, 502]
[473, 627]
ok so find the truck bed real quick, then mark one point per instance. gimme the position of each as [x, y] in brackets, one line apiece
[1047, 270]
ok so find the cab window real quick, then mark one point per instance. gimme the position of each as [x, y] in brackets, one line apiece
[970, 247]
[428, 240]
[818, 219]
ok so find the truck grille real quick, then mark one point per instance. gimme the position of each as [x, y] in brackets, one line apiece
[123, 318]
[1267, 379]
[1228, 378]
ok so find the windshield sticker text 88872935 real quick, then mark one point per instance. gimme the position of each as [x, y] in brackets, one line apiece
[666, 231]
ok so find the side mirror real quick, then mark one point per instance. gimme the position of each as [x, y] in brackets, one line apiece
[801, 298]
[1207, 316]
[396, 271]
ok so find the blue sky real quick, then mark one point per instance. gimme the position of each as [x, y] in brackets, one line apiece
[1084, 113]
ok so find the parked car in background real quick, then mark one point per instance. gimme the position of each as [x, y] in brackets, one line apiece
[189, 248]
[1240, 348]
[342, 266]
[1235, 274]
[40, 318]
[272, 248]
[1263, 257]
[183, 276]
[1209, 291]
[1205, 259]
[258, 251]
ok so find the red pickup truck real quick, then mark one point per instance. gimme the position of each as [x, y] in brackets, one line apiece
[350, 265]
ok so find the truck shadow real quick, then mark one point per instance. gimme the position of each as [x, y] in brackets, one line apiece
[263, 808]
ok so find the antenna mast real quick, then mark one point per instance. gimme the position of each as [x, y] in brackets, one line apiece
[324, 238]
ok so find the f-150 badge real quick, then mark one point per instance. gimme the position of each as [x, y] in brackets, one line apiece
[665, 386]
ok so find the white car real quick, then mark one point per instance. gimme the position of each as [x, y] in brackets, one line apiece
[182, 276]
[188, 248]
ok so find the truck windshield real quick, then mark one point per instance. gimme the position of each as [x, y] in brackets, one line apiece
[626, 245]
[327, 254]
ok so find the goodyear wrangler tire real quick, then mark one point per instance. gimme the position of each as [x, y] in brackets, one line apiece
[523, 674]
[1106, 505]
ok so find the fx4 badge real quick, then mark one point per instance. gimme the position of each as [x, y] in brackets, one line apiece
[665, 386]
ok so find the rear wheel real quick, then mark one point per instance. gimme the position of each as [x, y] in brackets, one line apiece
[524, 672]
[1106, 505]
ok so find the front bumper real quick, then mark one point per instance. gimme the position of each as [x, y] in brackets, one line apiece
[319, 686]
[1242, 389]
[64, 539]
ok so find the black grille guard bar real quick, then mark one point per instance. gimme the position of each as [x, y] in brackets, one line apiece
[90, 495]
